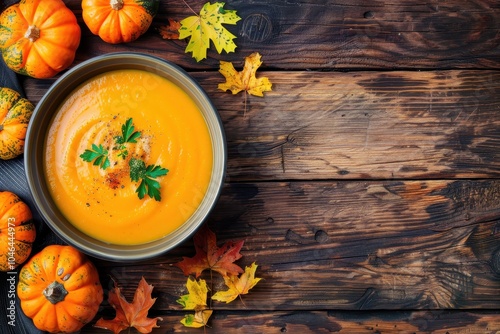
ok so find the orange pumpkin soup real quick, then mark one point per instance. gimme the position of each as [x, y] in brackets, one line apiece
[128, 157]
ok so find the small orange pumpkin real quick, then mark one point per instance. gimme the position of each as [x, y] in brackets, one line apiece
[17, 231]
[39, 37]
[119, 21]
[59, 289]
[15, 113]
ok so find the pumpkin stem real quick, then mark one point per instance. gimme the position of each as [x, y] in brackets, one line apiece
[33, 33]
[1, 127]
[116, 4]
[55, 292]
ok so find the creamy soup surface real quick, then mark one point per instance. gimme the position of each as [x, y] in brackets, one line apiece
[104, 202]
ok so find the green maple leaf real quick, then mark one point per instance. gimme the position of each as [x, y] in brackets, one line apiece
[209, 26]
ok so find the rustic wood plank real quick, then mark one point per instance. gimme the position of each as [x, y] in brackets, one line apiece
[358, 125]
[365, 125]
[349, 246]
[336, 34]
[438, 322]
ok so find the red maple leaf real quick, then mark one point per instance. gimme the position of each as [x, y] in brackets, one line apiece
[133, 314]
[209, 256]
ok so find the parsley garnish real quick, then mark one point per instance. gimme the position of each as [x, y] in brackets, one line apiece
[128, 136]
[98, 154]
[139, 171]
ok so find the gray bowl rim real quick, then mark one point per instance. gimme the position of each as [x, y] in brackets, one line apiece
[39, 193]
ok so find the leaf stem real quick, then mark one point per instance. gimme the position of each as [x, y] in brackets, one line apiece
[211, 288]
[245, 104]
[244, 305]
[191, 9]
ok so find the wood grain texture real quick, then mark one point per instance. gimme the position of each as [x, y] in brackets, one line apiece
[368, 125]
[349, 246]
[335, 34]
[318, 322]
[366, 185]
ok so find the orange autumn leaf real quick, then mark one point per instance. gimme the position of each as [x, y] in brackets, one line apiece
[170, 31]
[133, 314]
[238, 286]
[246, 79]
[209, 256]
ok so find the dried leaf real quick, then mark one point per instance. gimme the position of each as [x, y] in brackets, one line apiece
[246, 79]
[209, 256]
[198, 319]
[170, 31]
[238, 285]
[196, 299]
[209, 26]
[131, 314]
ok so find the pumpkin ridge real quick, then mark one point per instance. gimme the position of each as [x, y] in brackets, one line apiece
[10, 150]
[50, 35]
[57, 19]
[75, 317]
[44, 11]
[24, 243]
[11, 210]
[27, 237]
[98, 14]
[11, 28]
[27, 222]
[12, 134]
[27, 11]
[59, 63]
[15, 55]
[126, 18]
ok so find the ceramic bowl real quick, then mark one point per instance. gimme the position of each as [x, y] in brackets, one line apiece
[34, 155]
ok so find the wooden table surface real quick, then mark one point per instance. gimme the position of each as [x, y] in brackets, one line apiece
[365, 185]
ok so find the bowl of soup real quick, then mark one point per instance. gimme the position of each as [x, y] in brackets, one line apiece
[125, 156]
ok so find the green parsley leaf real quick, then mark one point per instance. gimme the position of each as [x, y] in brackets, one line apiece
[128, 136]
[156, 171]
[128, 133]
[147, 175]
[98, 154]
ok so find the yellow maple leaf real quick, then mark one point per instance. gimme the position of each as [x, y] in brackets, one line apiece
[238, 285]
[198, 319]
[196, 299]
[246, 79]
[209, 26]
